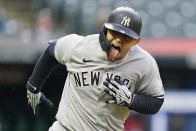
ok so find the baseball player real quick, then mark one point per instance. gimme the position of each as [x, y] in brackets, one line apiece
[108, 75]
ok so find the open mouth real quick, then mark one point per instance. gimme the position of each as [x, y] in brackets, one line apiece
[116, 47]
[113, 53]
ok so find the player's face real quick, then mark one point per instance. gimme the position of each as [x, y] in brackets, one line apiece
[121, 44]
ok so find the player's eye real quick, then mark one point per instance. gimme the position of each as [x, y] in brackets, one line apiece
[123, 37]
[127, 38]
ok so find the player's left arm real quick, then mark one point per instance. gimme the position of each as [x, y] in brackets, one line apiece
[121, 95]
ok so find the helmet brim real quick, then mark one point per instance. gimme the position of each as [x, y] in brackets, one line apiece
[122, 29]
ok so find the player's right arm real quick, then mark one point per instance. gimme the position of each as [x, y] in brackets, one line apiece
[58, 52]
[44, 66]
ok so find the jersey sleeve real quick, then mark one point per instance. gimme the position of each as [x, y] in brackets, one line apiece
[151, 83]
[64, 47]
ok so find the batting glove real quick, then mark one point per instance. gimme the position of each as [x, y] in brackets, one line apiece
[120, 93]
[35, 98]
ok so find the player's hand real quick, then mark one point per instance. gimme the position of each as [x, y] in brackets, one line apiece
[120, 93]
[34, 98]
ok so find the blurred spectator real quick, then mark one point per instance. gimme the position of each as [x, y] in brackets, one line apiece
[12, 27]
[2, 21]
[43, 28]
[101, 16]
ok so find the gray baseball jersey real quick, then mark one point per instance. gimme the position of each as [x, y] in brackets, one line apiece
[82, 106]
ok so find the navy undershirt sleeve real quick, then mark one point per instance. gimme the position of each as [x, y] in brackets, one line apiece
[43, 68]
[146, 104]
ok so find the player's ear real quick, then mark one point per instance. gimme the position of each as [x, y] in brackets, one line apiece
[136, 41]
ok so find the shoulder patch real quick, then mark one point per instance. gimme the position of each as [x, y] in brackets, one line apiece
[52, 42]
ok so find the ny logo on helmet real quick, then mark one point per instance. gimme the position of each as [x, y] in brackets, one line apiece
[125, 21]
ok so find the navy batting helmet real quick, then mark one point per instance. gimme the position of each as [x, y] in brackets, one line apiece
[125, 20]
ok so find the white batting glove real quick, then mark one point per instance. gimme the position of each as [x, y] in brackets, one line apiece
[120, 93]
[33, 100]
[35, 97]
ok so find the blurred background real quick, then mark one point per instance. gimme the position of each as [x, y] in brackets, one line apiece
[169, 34]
